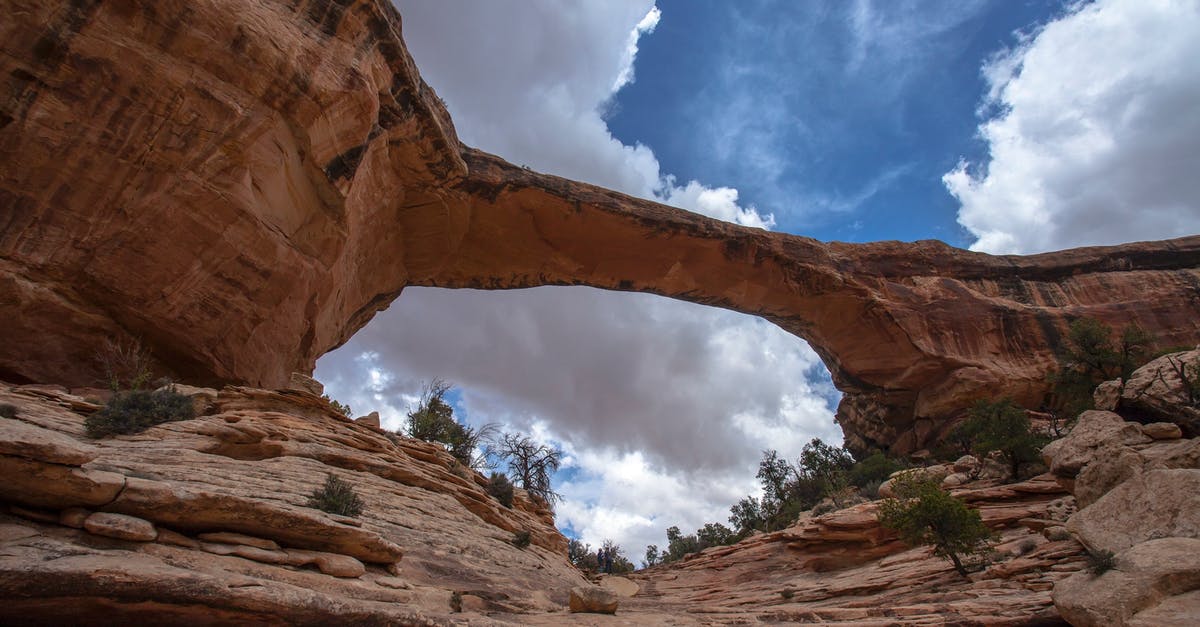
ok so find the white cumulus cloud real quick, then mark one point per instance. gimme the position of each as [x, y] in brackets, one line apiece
[1093, 134]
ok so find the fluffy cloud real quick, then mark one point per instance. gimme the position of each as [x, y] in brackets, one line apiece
[662, 406]
[1094, 134]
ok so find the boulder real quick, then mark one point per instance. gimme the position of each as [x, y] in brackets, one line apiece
[55, 486]
[1152, 582]
[936, 473]
[592, 600]
[328, 563]
[304, 383]
[1150, 505]
[1107, 395]
[1162, 431]
[1096, 434]
[967, 464]
[371, 420]
[1156, 391]
[22, 439]
[121, 527]
[1106, 472]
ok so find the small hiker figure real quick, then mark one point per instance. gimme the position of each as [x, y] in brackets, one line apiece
[600, 560]
[608, 555]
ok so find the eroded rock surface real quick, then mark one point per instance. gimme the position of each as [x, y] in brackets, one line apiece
[241, 185]
[205, 521]
[1139, 505]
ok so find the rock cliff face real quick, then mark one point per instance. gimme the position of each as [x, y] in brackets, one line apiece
[241, 185]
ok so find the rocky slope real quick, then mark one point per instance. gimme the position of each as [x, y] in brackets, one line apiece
[843, 568]
[241, 185]
[204, 521]
[1138, 490]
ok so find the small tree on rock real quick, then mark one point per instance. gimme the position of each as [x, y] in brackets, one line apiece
[1003, 426]
[433, 421]
[924, 513]
[1091, 357]
[530, 465]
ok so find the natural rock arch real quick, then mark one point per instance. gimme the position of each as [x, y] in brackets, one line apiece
[242, 190]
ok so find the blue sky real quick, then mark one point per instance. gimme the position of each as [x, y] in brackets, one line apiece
[837, 118]
[1002, 126]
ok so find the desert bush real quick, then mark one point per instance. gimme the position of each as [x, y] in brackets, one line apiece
[874, 468]
[870, 490]
[336, 406]
[137, 410]
[923, 513]
[1100, 562]
[521, 539]
[126, 364]
[337, 496]
[501, 489]
[582, 556]
[456, 602]
[433, 421]
[1026, 545]
[8, 410]
[787, 594]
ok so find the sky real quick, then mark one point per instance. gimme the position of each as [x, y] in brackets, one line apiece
[1003, 126]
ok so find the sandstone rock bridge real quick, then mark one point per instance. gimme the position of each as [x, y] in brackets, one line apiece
[244, 184]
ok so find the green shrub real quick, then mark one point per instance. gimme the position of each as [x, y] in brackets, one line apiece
[8, 410]
[456, 601]
[336, 406]
[138, 410]
[501, 489]
[1003, 426]
[870, 490]
[521, 539]
[787, 594]
[874, 469]
[433, 421]
[1092, 356]
[337, 496]
[1101, 562]
[923, 513]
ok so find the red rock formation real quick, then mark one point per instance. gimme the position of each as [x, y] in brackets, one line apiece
[206, 521]
[242, 184]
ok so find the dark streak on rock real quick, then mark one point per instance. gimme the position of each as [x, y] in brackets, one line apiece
[345, 164]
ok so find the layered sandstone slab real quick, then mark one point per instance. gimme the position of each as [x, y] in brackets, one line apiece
[241, 185]
[206, 521]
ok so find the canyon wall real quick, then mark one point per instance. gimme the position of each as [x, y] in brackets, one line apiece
[242, 185]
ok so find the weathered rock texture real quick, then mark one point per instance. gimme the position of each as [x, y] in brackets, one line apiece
[205, 521]
[241, 185]
[842, 567]
[1139, 500]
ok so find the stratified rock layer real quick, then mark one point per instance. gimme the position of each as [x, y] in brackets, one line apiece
[206, 521]
[241, 185]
